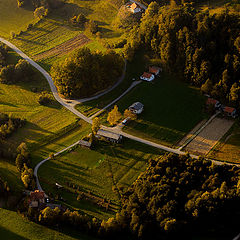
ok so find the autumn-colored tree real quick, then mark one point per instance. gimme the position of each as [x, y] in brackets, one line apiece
[114, 116]
[40, 12]
[95, 125]
[130, 114]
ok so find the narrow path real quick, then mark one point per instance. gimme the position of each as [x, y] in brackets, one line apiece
[135, 83]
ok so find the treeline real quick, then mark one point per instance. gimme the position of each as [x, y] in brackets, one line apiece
[21, 72]
[85, 73]
[48, 4]
[202, 49]
[175, 196]
[180, 195]
[3, 54]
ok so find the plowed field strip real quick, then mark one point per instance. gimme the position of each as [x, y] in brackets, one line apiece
[64, 48]
[209, 136]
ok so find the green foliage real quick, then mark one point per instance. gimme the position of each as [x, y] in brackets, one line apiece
[40, 12]
[85, 72]
[180, 194]
[185, 41]
[96, 124]
[21, 72]
[44, 98]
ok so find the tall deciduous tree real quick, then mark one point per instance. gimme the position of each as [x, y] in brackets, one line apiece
[114, 116]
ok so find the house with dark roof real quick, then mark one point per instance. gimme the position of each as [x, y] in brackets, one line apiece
[147, 76]
[136, 108]
[85, 144]
[109, 136]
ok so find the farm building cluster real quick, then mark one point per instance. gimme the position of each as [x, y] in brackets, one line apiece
[227, 111]
[134, 7]
[149, 76]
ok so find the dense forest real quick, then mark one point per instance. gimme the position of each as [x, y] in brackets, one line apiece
[200, 48]
[178, 194]
[85, 73]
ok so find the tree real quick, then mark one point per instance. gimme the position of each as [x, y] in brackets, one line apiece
[130, 114]
[114, 116]
[81, 19]
[92, 26]
[40, 12]
[95, 125]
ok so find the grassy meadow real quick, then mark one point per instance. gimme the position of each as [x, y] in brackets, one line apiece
[228, 148]
[171, 109]
[21, 100]
[56, 29]
[15, 227]
[97, 171]
[13, 18]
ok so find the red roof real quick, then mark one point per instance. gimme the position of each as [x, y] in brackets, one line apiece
[36, 195]
[229, 109]
[147, 75]
[154, 69]
[134, 6]
[211, 101]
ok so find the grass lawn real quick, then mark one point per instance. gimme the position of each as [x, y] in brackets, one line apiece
[20, 101]
[171, 110]
[228, 149]
[96, 170]
[60, 143]
[14, 227]
[55, 29]
[9, 173]
[13, 18]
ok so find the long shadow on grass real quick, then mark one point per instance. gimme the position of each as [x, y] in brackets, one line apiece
[6, 234]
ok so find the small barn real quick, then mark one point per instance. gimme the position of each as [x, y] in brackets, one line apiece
[85, 144]
[136, 108]
[109, 136]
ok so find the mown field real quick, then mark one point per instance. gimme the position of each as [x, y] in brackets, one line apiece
[171, 109]
[97, 171]
[228, 149]
[56, 29]
[13, 18]
[14, 227]
[21, 101]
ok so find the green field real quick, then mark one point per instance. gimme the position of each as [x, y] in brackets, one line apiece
[171, 109]
[96, 170]
[15, 227]
[20, 101]
[55, 29]
[8, 171]
[13, 18]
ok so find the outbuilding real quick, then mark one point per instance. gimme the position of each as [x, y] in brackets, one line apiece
[155, 70]
[136, 108]
[230, 112]
[109, 136]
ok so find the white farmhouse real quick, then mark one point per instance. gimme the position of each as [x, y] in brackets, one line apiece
[147, 77]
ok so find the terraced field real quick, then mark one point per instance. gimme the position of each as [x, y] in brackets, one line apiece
[64, 48]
